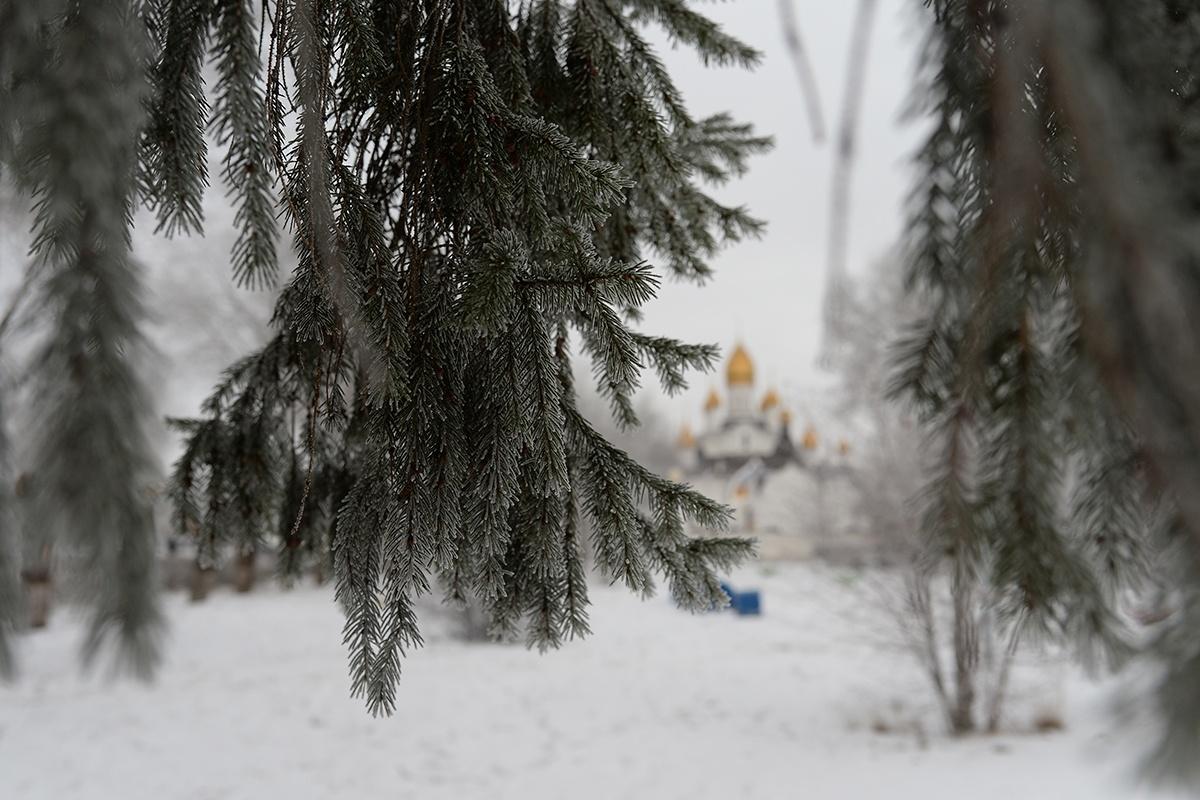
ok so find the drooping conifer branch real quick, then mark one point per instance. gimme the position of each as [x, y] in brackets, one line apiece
[470, 188]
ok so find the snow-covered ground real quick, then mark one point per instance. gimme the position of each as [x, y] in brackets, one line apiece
[803, 702]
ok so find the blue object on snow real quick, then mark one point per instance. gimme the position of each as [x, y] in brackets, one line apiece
[746, 604]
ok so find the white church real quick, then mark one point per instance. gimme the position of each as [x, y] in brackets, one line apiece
[797, 497]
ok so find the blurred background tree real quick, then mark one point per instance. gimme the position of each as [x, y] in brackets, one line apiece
[1051, 264]
[1053, 247]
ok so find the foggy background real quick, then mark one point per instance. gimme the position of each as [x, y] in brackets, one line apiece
[768, 292]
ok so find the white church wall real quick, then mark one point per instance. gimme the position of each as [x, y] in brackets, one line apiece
[739, 439]
[796, 511]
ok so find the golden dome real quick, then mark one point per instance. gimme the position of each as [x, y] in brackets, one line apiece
[810, 438]
[770, 400]
[740, 371]
[742, 492]
[713, 401]
[785, 417]
[686, 439]
[844, 447]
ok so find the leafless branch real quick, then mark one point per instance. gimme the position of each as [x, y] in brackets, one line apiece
[843, 169]
[804, 70]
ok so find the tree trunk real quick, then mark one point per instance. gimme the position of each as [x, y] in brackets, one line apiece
[966, 650]
[37, 595]
[201, 582]
[244, 571]
[176, 567]
[35, 577]
[924, 641]
[996, 703]
[474, 622]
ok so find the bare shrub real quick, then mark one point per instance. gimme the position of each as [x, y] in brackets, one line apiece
[943, 608]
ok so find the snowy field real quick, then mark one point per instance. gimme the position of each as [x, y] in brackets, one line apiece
[807, 701]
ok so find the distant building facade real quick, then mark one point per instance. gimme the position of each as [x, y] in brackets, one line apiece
[797, 496]
[739, 428]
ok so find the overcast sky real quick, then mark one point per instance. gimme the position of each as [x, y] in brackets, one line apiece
[768, 293]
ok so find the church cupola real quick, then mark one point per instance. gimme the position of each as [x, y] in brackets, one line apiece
[686, 439]
[770, 401]
[739, 376]
[687, 449]
[810, 438]
[740, 370]
[711, 404]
